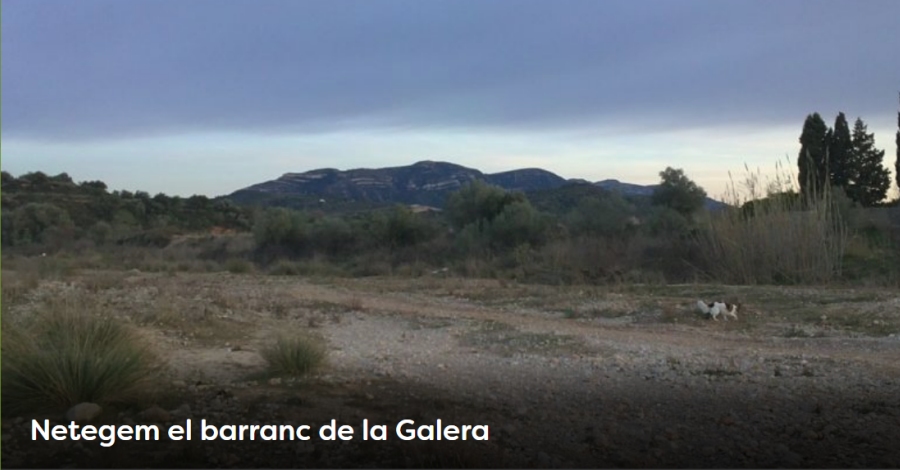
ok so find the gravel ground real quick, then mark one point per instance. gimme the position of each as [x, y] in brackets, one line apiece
[642, 383]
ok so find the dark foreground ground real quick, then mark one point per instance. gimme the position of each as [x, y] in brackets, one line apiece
[562, 377]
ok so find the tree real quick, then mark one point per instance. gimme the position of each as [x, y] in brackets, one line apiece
[479, 202]
[607, 216]
[518, 223]
[678, 192]
[281, 227]
[870, 178]
[897, 163]
[812, 161]
[838, 145]
[40, 223]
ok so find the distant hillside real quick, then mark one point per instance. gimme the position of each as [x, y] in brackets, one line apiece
[426, 183]
[629, 189]
[626, 188]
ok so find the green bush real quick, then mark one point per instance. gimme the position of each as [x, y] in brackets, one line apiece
[479, 202]
[279, 227]
[40, 223]
[517, 224]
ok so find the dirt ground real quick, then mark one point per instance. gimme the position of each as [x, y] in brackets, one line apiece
[568, 376]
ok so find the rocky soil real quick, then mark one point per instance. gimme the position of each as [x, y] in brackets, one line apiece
[563, 377]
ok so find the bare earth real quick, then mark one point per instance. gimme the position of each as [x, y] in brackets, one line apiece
[627, 376]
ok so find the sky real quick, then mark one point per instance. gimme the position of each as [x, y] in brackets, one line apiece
[210, 96]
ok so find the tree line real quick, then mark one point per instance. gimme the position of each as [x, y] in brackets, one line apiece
[838, 158]
[39, 209]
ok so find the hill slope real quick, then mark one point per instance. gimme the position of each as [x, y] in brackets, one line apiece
[426, 183]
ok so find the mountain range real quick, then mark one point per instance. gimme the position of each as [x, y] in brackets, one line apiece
[425, 183]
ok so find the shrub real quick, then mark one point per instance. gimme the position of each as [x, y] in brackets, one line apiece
[66, 356]
[238, 266]
[286, 268]
[281, 227]
[40, 223]
[294, 355]
[518, 223]
[479, 202]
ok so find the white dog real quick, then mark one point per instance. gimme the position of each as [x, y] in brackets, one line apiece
[715, 309]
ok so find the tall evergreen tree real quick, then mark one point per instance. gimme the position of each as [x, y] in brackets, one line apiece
[840, 168]
[871, 178]
[811, 161]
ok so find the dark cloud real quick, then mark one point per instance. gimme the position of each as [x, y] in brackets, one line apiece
[103, 69]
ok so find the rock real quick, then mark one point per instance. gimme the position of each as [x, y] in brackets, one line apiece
[83, 412]
[182, 412]
[275, 381]
[155, 414]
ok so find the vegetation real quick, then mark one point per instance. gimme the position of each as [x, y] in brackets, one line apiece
[38, 209]
[575, 234]
[812, 159]
[897, 162]
[66, 355]
[678, 192]
[295, 355]
[833, 158]
[869, 180]
[776, 239]
[838, 142]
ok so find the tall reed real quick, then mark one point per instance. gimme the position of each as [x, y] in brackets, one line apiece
[774, 237]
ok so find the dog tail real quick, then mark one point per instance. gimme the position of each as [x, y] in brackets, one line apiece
[703, 307]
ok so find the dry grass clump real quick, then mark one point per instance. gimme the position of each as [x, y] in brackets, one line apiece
[67, 355]
[239, 266]
[294, 355]
[775, 238]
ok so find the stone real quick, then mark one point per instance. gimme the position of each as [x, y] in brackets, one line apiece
[182, 412]
[83, 412]
[155, 414]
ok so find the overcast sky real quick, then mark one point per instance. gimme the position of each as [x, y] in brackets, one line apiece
[208, 96]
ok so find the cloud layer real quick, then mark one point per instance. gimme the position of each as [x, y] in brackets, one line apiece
[97, 70]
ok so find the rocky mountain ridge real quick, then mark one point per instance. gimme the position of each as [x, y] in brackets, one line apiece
[425, 183]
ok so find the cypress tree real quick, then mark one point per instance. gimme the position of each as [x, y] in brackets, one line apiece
[838, 144]
[811, 161]
[872, 179]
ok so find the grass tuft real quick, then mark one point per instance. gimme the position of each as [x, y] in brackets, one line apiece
[294, 355]
[67, 356]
